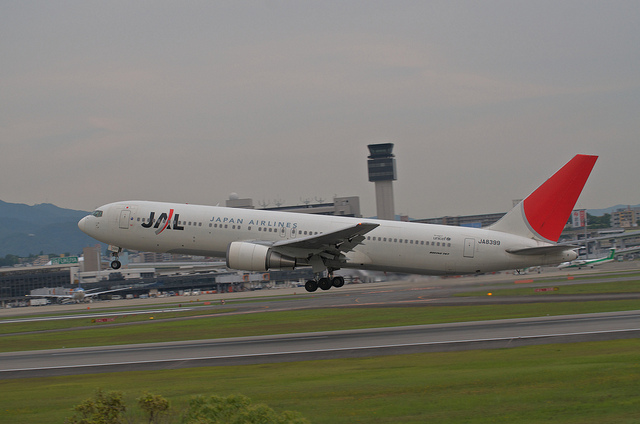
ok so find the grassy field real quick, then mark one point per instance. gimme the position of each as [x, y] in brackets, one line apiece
[569, 383]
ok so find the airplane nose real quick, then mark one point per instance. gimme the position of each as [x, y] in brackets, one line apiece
[82, 224]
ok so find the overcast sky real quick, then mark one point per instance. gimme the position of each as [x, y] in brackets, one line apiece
[189, 101]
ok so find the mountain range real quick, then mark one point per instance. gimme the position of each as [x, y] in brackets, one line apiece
[46, 228]
[43, 228]
[609, 210]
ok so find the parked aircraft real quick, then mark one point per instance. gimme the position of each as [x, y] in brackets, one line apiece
[76, 295]
[584, 263]
[259, 240]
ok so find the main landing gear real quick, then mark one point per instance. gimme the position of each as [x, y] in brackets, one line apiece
[325, 283]
[115, 263]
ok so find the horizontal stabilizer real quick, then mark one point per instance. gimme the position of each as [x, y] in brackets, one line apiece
[543, 250]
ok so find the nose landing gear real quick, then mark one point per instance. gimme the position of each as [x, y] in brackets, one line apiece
[115, 252]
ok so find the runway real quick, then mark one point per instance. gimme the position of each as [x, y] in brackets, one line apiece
[322, 345]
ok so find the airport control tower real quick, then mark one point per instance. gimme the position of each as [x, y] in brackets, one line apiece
[382, 171]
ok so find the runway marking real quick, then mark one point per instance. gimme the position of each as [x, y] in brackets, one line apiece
[395, 302]
[423, 288]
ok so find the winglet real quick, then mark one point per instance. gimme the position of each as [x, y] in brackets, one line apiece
[544, 213]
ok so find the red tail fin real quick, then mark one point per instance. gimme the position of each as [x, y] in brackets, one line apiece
[544, 213]
[547, 209]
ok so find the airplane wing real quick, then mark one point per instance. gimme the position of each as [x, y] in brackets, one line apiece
[328, 245]
[57, 296]
[103, 292]
[334, 243]
[71, 296]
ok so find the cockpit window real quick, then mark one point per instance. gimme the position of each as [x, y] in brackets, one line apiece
[97, 214]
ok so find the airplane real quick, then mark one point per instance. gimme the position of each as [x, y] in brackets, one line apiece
[579, 263]
[259, 240]
[77, 295]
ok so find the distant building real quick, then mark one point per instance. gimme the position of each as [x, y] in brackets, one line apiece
[341, 206]
[152, 257]
[625, 218]
[15, 283]
[235, 201]
[41, 260]
[477, 221]
[92, 259]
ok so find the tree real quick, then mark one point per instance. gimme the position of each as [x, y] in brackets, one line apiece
[595, 222]
[100, 409]
[108, 408]
[9, 260]
[236, 409]
[154, 405]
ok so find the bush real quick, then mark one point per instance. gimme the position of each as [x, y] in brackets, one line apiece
[236, 409]
[100, 409]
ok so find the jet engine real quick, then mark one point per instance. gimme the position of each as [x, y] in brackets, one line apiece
[256, 257]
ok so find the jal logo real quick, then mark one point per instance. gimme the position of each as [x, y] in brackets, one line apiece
[163, 222]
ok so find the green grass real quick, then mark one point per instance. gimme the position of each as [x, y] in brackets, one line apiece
[571, 383]
[283, 322]
[590, 288]
[123, 317]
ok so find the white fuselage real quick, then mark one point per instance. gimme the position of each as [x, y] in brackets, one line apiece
[392, 246]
